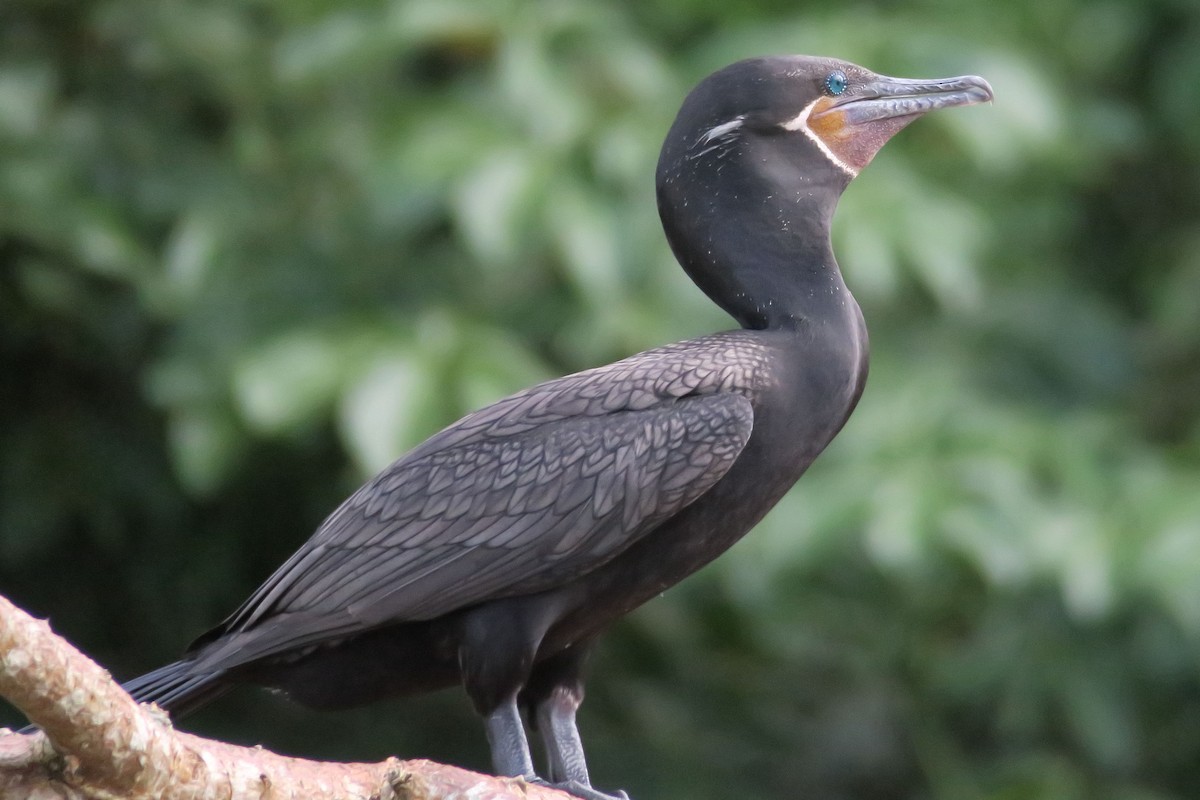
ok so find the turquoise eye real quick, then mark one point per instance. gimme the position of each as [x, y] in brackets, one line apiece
[835, 82]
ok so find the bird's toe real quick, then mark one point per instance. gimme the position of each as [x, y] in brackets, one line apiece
[579, 789]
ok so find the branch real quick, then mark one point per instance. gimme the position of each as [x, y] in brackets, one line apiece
[99, 744]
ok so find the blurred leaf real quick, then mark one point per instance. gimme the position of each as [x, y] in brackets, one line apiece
[25, 96]
[381, 413]
[494, 204]
[204, 444]
[290, 381]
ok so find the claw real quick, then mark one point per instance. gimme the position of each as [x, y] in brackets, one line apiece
[580, 790]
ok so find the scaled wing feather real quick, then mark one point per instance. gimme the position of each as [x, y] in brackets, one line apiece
[515, 499]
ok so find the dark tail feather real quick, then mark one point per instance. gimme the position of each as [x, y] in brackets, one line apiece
[173, 688]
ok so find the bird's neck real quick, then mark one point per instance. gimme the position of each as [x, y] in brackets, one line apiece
[761, 248]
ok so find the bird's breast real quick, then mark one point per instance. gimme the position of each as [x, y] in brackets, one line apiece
[809, 387]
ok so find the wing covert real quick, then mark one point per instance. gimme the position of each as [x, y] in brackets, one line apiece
[515, 499]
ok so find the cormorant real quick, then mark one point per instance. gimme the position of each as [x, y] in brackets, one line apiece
[496, 552]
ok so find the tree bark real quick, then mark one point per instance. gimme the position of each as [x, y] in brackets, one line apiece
[99, 744]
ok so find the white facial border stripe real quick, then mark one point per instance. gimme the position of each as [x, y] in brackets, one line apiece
[800, 123]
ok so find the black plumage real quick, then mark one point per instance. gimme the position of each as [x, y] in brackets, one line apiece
[494, 553]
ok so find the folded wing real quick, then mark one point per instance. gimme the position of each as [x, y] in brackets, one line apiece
[521, 497]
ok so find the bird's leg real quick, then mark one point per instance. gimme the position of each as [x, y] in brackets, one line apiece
[511, 758]
[564, 749]
[510, 748]
[553, 695]
[500, 675]
[498, 643]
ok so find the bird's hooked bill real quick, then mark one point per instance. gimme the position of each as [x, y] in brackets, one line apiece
[856, 117]
[885, 98]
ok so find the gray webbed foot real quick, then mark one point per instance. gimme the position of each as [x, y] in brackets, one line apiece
[580, 790]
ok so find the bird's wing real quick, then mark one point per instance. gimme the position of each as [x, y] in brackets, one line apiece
[519, 497]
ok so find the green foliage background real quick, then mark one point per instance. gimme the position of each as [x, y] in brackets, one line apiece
[251, 251]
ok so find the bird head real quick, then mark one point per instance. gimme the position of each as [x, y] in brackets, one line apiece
[842, 111]
[752, 169]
